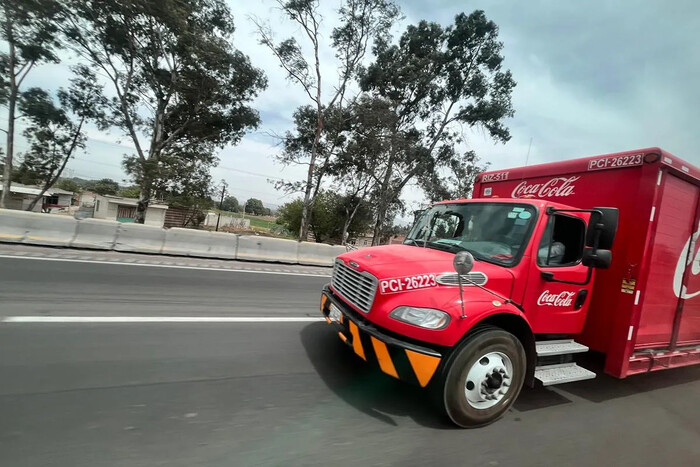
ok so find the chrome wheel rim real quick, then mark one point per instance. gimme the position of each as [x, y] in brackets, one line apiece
[488, 380]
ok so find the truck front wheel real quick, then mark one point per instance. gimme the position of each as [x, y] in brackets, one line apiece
[483, 377]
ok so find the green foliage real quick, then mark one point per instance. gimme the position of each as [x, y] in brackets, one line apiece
[55, 132]
[330, 214]
[230, 204]
[435, 82]
[255, 206]
[457, 179]
[184, 85]
[69, 185]
[289, 215]
[360, 21]
[130, 191]
[28, 29]
[105, 186]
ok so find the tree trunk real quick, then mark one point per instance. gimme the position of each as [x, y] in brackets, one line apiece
[7, 171]
[306, 204]
[11, 104]
[381, 217]
[54, 178]
[348, 220]
[37, 198]
[144, 201]
[383, 200]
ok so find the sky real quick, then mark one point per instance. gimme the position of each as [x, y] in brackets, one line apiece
[593, 78]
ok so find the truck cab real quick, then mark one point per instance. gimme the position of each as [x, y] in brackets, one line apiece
[472, 336]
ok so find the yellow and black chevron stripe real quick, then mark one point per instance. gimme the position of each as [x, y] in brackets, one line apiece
[404, 364]
[394, 360]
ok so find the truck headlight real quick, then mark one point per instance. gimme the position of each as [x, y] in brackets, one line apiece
[424, 317]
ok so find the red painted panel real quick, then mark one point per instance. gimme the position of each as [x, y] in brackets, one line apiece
[631, 190]
[674, 219]
[686, 285]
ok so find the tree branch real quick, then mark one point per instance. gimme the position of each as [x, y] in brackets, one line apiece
[266, 40]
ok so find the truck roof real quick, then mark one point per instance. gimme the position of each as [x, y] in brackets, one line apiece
[539, 203]
[600, 162]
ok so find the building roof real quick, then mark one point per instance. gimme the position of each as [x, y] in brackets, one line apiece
[23, 190]
[130, 201]
[35, 190]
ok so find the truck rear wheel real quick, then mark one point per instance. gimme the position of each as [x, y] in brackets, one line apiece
[483, 377]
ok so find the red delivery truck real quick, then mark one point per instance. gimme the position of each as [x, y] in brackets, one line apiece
[490, 293]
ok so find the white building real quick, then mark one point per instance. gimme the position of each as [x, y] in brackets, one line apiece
[124, 209]
[21, 197]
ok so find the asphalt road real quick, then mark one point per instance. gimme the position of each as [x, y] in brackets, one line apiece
[278, 393]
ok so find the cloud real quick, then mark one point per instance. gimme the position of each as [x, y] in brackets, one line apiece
[593, 78]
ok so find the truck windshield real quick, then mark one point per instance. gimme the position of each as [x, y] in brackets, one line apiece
[493, 232]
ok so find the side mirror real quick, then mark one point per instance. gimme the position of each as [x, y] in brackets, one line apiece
[603, 226]
[599, 259]
[463, 263]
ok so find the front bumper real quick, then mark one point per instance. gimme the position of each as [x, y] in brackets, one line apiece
[402, 360]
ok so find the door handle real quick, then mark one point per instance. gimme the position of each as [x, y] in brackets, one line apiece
[580, 299]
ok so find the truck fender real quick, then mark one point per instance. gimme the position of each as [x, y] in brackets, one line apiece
[513, 321]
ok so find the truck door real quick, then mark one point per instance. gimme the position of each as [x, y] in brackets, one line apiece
[670, 313]
[553, 306]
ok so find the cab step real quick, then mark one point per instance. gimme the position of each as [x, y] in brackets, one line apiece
[550, 375]
[559, 347]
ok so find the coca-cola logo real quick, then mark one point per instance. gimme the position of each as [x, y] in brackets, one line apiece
[689, 258]
[556, 187]
[556, 299]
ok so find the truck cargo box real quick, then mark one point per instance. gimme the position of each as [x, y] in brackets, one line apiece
[645, 309]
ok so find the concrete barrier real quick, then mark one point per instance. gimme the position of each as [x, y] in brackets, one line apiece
[95, 234]
[50, 229]
[187, 242]
[267, 249]
[318, 254]
[139, 238]
[223, 245]
[56, 230]
[13, 225]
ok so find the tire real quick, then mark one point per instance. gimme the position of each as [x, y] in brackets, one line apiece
[473, 393]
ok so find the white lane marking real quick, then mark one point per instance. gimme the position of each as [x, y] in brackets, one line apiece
[160, 319]
[171, 266]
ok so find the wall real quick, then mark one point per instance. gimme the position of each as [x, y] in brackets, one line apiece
[15, 202]
[64, 200]
[27, 200]
[226, 220]
[105, 209]
[155, 216]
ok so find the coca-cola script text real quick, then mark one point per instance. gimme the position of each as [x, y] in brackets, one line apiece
[556, 187]
[556, 299]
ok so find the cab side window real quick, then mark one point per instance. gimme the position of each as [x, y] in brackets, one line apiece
[563, 241]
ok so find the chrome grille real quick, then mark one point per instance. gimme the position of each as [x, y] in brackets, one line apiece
[357, 287]
[478, 278]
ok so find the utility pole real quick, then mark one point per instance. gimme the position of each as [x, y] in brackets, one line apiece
[224, 185]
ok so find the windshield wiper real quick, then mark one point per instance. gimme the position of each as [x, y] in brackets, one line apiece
[413, 241]
[452, 248]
